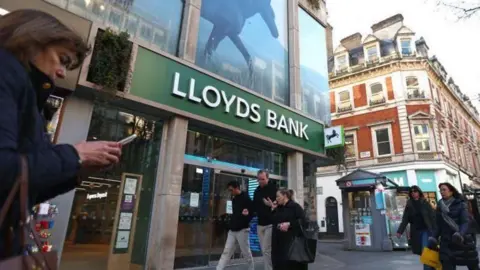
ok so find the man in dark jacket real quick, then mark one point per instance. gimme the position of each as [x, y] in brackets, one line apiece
[241, 215]
[265, 193]
[420, 214]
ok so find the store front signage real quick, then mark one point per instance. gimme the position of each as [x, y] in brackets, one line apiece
[215, 98]
[97, 196]
[190, 91]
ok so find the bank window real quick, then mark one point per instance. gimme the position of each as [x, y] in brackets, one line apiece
[345, 103]
[377, 95]
[372, 53]
[313, 67]
[422, 137]
[164, 16]
[247, 44]
[382, 141]
[406, 47]
[350, 146]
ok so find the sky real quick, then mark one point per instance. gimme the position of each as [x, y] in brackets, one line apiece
[454, 42]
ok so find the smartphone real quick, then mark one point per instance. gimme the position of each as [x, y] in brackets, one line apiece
[128, 139]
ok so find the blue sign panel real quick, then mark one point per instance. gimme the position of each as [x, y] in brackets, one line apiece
[426, 180]
[398, 177]
[254, 241]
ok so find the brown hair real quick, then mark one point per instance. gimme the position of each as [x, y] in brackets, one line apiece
[26, 32]
[287, 192]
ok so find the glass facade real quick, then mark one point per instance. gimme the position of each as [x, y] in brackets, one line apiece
[154, 22]
[222, 150]
[139, 157]
[247, 43]
[203, 219]
[313, 67]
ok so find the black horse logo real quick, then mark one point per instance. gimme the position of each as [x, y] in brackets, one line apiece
[333, 135]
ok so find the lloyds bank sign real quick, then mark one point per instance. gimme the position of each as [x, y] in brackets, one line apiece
[171, 83]
[224, 102]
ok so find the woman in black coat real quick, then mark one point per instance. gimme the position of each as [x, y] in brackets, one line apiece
[457, 246]
[421, 217]
[36, 50]
[287, 219]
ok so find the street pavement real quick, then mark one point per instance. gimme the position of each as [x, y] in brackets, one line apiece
[331, 256]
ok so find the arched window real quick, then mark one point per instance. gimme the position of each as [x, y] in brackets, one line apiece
[413, 88]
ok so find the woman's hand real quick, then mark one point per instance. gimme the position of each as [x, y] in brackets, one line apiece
[284, 226]
[98, 154]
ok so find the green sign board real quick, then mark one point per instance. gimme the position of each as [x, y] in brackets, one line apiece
[163, 80]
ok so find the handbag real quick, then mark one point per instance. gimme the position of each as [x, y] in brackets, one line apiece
[431, 258]
[303, 248]
[27, 260]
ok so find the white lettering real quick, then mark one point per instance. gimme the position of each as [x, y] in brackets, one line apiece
[205, 96]
[293, 126]
[271, 119]
[282, 124]
[303, 131]
[228, 102]
[97, 196]
[175, 90]
[191, 92]
[242, 103]
[256, 115]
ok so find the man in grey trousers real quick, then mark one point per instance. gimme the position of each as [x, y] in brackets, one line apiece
[239, 227]
[265, 193]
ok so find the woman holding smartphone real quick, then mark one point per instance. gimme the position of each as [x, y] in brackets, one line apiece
[287, 218]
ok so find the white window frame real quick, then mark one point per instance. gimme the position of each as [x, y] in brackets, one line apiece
[374, 140]
[446, 149]
[354, 134]
[417, 88]
[369, 90]
[350, 94]
[347, 61]
[377, 49]
[430, 136]
[401, 47]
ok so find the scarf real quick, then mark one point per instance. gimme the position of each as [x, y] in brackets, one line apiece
[444, 206]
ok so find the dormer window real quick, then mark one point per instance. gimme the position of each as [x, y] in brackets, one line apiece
[341, 62]
[372, 53]
[406, 46]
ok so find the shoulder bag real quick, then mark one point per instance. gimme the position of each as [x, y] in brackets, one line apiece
[303, 248]
[27, 260]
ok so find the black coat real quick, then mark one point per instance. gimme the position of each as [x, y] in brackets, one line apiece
[52, 168]
[459, 254]
[409, 217]
[291, 212]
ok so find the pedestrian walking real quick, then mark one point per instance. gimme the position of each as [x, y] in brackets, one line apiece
[457, 244]
[239, 227]
[421, 217]
[288, 217]
[263, 197]
[36, 50]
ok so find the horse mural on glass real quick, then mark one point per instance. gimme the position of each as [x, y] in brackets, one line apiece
[229, 17]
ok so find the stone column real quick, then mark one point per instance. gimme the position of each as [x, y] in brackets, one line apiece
[294, 55]
[73, 128]
[166, 202]
[412, 178]
[189, 32]
[295, 175]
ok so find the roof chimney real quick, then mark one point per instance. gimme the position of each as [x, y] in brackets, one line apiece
[329, 35]
[387, 22]
[352, 41]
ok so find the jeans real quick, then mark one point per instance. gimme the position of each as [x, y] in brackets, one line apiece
[424, 236]
[242, 238]
[265, 237]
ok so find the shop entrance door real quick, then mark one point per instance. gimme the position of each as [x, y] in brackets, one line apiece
[220, 218]
[331, 209]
